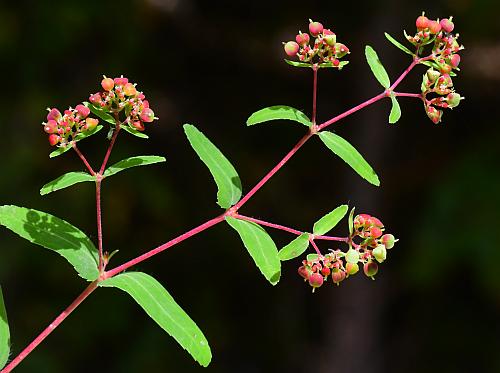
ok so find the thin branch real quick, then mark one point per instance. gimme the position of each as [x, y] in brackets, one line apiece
[84, 160]
[267, 224]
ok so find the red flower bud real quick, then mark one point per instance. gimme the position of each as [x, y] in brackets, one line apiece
[338, 275]
[95, 98]
[291, 48]
[315, 280]
[447, 25]
[302, 39]
[91, 123]
[53, 139]
[422, 22]
[375, 232]
[129, 89]
[455, 60]
[138, 125]
[147, 115]
[121, 81]
[434, 27]
[325, 271]
[303, 272]
[54, 114]
[83, 111]
[315, 28]
[50, 126]
[107, 84]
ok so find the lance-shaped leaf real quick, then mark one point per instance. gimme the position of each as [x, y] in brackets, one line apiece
[395, 110]
[350, 155]
[66, 180]
[101, 113]
[298, 64]
[329, 65]
[294, 248]
[398, 44]
[54, 234]
[225, 176]
[162, 308]
[377, 67]
[276, 113]
[260, 246]
[330, 220]
[142, 160]
[350, 221]
[4, 333]
[134, 132]
[60, 150]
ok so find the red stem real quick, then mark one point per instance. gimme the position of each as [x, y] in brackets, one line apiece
[315, 91]
[315, 247]
[331, 238]
[267, 224]
[110, 147]
[165, 246]
[416, 95]
[84, 160]
[99, 219]
[272, 172]
[58, 320]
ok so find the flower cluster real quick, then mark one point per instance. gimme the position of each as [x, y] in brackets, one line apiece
[339, 265]
[120, 95]
[324, 50]
[445, 59]
[63, 129]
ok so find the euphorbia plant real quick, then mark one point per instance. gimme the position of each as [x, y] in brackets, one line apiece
[120, 105]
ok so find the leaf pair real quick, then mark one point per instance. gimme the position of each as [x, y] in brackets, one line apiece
[300, 244]
[382, 77]
[72, 178]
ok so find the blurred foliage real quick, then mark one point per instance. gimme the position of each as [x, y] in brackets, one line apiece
[435, 304]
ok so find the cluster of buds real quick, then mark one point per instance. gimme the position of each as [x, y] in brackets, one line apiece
[63, 129]
[339, 265]
[119, 95]
[445, 60]
[324, 49]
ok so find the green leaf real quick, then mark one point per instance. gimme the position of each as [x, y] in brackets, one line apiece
[260, 246]
[395, 110]
[54, 234]
[225, 176]
[4, 333]
[398, 44]
[312, 257]
[162, 308]
[350, 221]
[85, 134]
[60, 150]
[330, 220]
[295, 248]
[278, 112]
[350, 155]
[65, 181]
[134, 132]
[142, 160]
[298, 64]
[101, 113]
[377, 67]
[329, 65]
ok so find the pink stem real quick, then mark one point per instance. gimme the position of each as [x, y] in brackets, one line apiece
[315, 91]
[110, 147]
[416, 95]
[402, 76]
[315, 247]
[163, 247]
[99, 221]
[331, 238]
[58, 320]
[267, 224]
[272, 172]
[84, 160]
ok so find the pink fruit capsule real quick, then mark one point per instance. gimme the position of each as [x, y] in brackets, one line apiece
[138, 125]
[50, 126]
[434, 27]
[302, 39]
[83, 111]
[422, 23]
[54, 114]
[147, 115]
[291, 48]
[53, 139]
[315, 28]
[129, 89]
[315, 280]
[107, 84]
[121, 81]
[447, 25]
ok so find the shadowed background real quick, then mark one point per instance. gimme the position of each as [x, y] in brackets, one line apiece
[435, 304]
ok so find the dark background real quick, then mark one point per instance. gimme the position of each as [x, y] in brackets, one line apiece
[435, 304]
